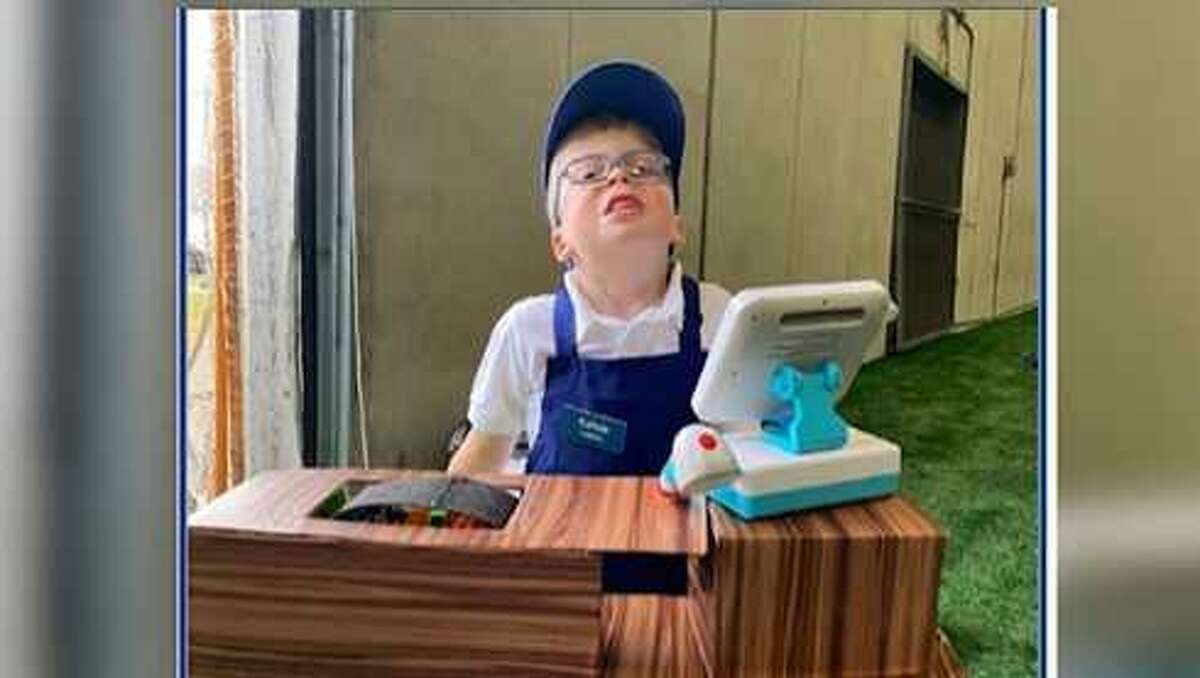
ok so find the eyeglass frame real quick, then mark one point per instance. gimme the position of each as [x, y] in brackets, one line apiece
[621, 161]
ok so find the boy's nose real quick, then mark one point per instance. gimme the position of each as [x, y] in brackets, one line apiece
[617, 172]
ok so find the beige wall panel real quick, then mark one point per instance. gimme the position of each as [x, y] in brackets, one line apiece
[849, 125]
[848, 140]
[677, 44]
[878, 143]
[925, 31]
[876, 140]
[750, 231]
[449, 115]
[1020, 249]
[980, 198]
[829, 107]
[991, 134]
[803, 181]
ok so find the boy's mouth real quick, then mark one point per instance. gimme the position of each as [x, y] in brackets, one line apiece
[622, 203]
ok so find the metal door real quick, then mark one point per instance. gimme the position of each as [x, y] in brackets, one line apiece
[928, 198]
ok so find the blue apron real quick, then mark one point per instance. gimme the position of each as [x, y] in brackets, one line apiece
[615, 416]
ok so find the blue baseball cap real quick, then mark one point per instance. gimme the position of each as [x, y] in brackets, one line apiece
[626, 89]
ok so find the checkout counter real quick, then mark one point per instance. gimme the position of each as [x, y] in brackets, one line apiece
[807, 564]
[278, 589]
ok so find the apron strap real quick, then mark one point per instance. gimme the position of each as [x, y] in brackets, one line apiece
[564, 322]
[689, 336]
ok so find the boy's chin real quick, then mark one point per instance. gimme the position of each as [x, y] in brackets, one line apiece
[635, 252]
[636, 241]
[634, 229]
[639, 219]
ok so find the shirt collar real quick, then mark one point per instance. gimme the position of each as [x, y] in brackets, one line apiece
[670, 309]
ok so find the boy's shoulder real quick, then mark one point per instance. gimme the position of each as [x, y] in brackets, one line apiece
[533, 306]
[532, 313]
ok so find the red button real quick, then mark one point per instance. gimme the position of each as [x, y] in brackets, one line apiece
[708, 441]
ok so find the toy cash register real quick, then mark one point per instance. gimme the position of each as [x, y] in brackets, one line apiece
[782, 358]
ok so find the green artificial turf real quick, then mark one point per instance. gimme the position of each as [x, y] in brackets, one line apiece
[964, 410]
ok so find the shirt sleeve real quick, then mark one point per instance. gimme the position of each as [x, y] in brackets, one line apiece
[500, 392]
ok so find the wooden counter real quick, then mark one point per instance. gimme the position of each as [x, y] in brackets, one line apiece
[275, 591]
[651, 636]
[556, 512]
[848, 590]
[843, 591]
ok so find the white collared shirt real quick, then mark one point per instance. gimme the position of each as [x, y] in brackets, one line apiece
[506, 397]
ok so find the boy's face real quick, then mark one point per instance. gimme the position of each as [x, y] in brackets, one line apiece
[617, 219]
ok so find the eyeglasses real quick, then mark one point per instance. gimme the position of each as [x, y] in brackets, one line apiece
[639, 166]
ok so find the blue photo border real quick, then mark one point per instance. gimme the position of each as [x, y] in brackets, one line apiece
[1043, 15]
[181, 200]
[181, 553]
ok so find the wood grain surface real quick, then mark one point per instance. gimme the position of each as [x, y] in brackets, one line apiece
[648, 636]
[945, 662]
[556, 512]
[847, 591]
[296, 608]
[850, 590]
[276, 591]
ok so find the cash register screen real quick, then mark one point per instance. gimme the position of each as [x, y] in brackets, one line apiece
[801, 324]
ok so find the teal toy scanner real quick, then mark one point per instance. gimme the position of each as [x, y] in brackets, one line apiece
[782, 358]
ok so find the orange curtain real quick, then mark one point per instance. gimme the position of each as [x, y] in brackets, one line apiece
[228, 465]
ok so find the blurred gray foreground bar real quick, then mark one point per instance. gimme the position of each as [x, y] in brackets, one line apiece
[23, 585]
[87, 308]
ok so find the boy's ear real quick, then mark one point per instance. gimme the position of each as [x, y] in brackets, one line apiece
[558, 246]
[678, 230]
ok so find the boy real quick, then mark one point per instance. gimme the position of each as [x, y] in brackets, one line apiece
[601, 373]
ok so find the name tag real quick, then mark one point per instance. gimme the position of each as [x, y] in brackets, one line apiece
[592, 429]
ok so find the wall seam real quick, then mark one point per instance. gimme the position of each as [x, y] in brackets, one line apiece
[793, 192]
[705, 172]
[1005, 179]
